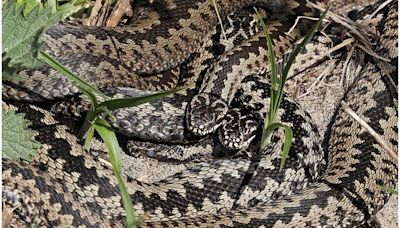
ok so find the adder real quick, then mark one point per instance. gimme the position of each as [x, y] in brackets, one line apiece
[72, 187]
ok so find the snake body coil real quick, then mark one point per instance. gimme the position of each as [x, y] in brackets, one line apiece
[337, 186]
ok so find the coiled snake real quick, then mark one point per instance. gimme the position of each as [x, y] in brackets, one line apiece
[67, 186]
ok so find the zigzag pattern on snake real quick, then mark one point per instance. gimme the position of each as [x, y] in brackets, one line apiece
[67, 186]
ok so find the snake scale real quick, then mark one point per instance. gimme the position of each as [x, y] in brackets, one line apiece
[330, 183]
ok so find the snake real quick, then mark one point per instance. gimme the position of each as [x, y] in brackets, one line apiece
[65, 185]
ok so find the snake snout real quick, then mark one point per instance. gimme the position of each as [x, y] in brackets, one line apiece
[205, 114]
[238, 130]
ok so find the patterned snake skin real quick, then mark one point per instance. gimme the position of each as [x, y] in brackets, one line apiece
[336, 186]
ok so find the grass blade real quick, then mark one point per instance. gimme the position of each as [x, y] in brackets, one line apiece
[388, 189]
[288, 140]
[114, 154]
[271, 53]
[300, 47]
[272, 61]
[219, 18]
[85, 87]
[134, 101]
[296, 51]
[88, 138]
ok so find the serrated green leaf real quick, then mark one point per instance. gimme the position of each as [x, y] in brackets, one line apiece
[18, 139]
[9, 73]
[24, 23]
[29, 5]
[22, 34]
[70, 7]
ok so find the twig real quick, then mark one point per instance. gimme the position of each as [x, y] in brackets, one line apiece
[346, 64]
[103, 13]
[355, 29]
[219, 18]
[123, 7]
[371, 131]
[319, 79]
[302, 17]
[372, 53]
[341, 45]
[91, 21]
[7, 215]
[328, 53]
[378, 9]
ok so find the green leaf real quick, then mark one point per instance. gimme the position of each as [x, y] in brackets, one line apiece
[271, 52]
[114, 154]
[29, 5]
[18, 139]
[22, 35]
[70, 7]
[110, 139]
[288, 140]
[9, 73]
[295, 52]
[24, 22]
[277, 93]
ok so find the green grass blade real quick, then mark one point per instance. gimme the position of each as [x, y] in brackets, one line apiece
[388, 189]
[134, 101]
[271, 53]
[88, 138]
[266, 136]
[288, 140]
[81, 84]
[274, 73]
[114, 154]
[110, 139]
[296, 51]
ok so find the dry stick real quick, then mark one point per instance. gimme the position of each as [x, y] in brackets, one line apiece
[214, 2]
[353, 71]
[346, 64]
[103, 13]
[367, 47]
[387, 73]
[378, 9]
[371, 131]
[372, 53]
[94, 13]
[302, 17]
[123, 7]
[7, 215]
[319, 79]
[343, 44]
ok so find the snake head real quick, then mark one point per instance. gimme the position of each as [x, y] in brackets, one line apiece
[238, 130]
[205, 114]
